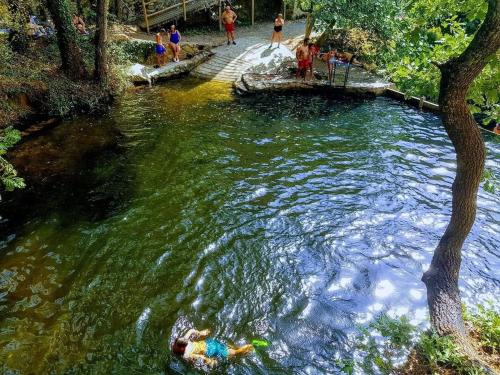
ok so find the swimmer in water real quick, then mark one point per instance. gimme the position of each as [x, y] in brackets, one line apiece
[194, 346]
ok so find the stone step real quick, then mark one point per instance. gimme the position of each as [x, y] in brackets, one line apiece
[216, 69]
[209, 69]
[216, 78]
[220, 74]
[235, 64]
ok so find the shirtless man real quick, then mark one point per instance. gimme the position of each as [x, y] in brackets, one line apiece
[304, 59]
[228, 19]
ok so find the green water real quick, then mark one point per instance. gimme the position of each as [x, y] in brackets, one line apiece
[282, 218]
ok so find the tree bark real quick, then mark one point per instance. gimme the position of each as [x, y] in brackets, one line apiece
[309, 25]
[441, 279]
[101, 39]
[71, 55]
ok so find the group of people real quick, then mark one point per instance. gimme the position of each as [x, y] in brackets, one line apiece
[47, 29]
[36, 30]
[228, 19]
[308, 52]
[174, 40]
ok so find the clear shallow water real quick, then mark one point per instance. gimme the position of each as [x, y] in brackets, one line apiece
[284, 218]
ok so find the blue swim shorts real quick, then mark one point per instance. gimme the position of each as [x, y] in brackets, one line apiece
[160, 49]
[216, 349]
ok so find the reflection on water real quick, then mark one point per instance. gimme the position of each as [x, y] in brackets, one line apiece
[284, 218]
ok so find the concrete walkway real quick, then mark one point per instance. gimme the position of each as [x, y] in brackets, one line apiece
[251, 51]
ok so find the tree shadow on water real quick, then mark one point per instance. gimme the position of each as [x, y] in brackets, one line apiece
[74, 172]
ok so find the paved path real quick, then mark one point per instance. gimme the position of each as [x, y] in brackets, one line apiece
[251, 50]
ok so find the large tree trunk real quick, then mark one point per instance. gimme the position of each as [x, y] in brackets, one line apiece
[309, 25]
[71, 55]
[101, 38]
[441, 279]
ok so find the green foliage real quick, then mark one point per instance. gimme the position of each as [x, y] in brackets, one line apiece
[384, 343]
[127, 52]
[8, 175]
[346, 366]
[441, 351]
[374, 16]
[407, 36]
[486, 320]
[491, 184]
[438, 31]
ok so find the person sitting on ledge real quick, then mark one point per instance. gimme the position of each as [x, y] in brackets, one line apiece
[174, 42]
[34, 29]
[194, 346]
[79, 24]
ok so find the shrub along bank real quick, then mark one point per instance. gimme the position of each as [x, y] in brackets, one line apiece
[394, 346]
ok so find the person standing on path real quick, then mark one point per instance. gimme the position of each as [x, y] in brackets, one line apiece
[277, 36]
[228, 19]
[304, 59]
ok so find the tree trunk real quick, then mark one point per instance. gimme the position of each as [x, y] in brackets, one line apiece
[309, 25]
[441, 279]
[79, 7]
[101, 38]
[71, 55]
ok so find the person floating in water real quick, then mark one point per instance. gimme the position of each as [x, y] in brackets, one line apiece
[278, 30]
[194, 346]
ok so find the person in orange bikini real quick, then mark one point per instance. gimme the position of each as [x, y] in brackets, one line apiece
[195, 346]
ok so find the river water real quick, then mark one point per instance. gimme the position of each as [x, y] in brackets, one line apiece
[286, 218]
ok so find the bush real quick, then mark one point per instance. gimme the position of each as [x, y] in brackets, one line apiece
[357, 41]
[383, 346]
[8, 175]
[486, 322]
[441, 351]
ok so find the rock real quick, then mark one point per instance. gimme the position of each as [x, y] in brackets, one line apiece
[137, 73]
[253, 83]
[174, 69]
[267, 60]
[140, 74]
